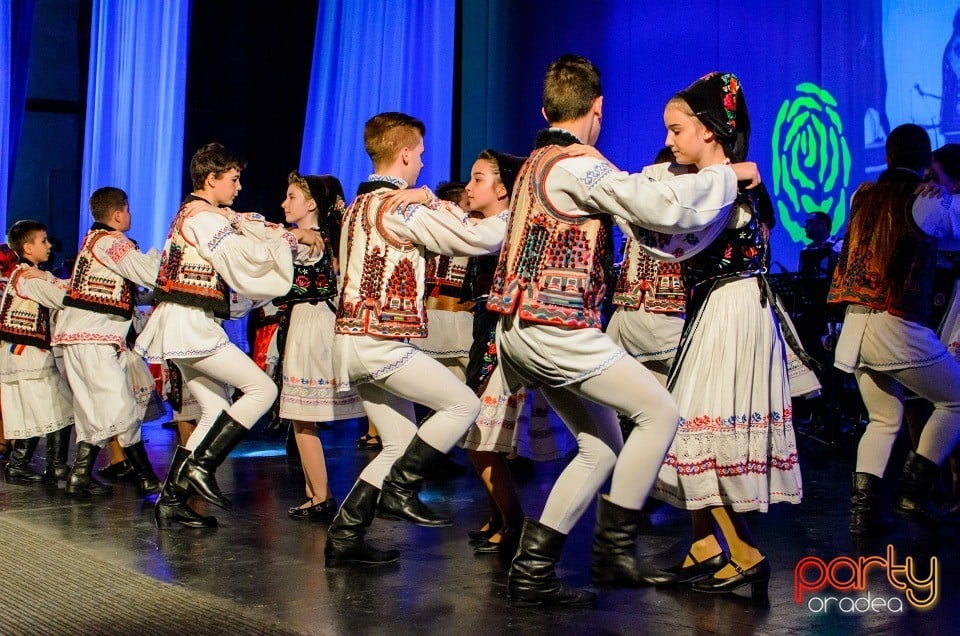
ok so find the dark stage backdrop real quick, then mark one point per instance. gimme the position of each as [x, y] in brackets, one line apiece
[824, 81]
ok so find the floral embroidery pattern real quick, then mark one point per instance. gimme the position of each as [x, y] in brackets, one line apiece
[119, 249]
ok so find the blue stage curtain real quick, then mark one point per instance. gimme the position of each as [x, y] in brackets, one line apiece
[372, 56]
[16, 26]
[136, 93]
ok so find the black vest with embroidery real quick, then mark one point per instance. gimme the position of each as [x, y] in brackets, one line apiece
[736, 251]
[313, 283]
[96, 287]
[186, 278]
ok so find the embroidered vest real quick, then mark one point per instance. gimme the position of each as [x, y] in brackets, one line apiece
[736, 251]
[95, 286]
[384, 296]
[443, 280]
[905, 289]
[23, 321]
[313, 283]
[186, 278]
[552, 267]
[645, 282]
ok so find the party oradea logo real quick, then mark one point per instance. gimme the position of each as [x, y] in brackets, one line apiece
[856, 585]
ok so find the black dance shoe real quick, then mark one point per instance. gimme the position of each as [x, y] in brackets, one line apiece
[322, 512]
[509, 540]
[370, 442]
[758, 577]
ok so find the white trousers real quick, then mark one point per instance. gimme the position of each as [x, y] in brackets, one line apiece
[388, 402]
[589, 409]
[210, 379]
[882, 393]
[103, 401]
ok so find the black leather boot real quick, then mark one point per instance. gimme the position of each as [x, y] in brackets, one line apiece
[532, 579]
[18, 468]
[913, 499]
[345, 544]
[614, 546]
[136, 454]
[401, 486]
[81, 482]
[199, 468]
[172, 505]
[865, 519]
[58, 445]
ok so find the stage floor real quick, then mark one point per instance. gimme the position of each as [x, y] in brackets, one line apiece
[263, 561]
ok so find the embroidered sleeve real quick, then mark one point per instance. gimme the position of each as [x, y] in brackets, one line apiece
[119, 248]
[940, 217]
[255, 260]
[447, 230]
[677, 205]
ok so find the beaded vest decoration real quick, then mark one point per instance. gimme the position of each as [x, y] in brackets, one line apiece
[312, 283]
[385, 298]
[905, 287]
[443, 281]
[646, 282]
[23, 321]
[95, 286]
[186, 278]
[552, 267]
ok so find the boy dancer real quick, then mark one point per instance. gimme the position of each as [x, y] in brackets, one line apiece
[550, 283]
[92, 331]
[381, 306]
[211, 252]
[35, 397]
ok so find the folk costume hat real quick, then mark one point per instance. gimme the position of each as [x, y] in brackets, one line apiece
[327, 192]
[509, 166]
[717, 101]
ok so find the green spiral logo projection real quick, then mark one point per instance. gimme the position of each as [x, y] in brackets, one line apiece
[811, 161]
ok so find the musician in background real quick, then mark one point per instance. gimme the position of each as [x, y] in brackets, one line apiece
[819, 257]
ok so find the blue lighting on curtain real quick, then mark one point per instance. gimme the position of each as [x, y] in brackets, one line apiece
[136, 95]
[16, 26]
[372, 56]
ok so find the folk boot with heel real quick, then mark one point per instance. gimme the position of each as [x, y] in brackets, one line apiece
[345, 544]
[614, 546]
[865, 519]
[399, 498]
[81, 482]
[18, 469]
[58, 446]
[171, 506]
[532, 579]
[213, 449]
[147, 479]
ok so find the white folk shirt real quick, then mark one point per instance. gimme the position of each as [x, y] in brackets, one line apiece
[695, 205]
[255, 258]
